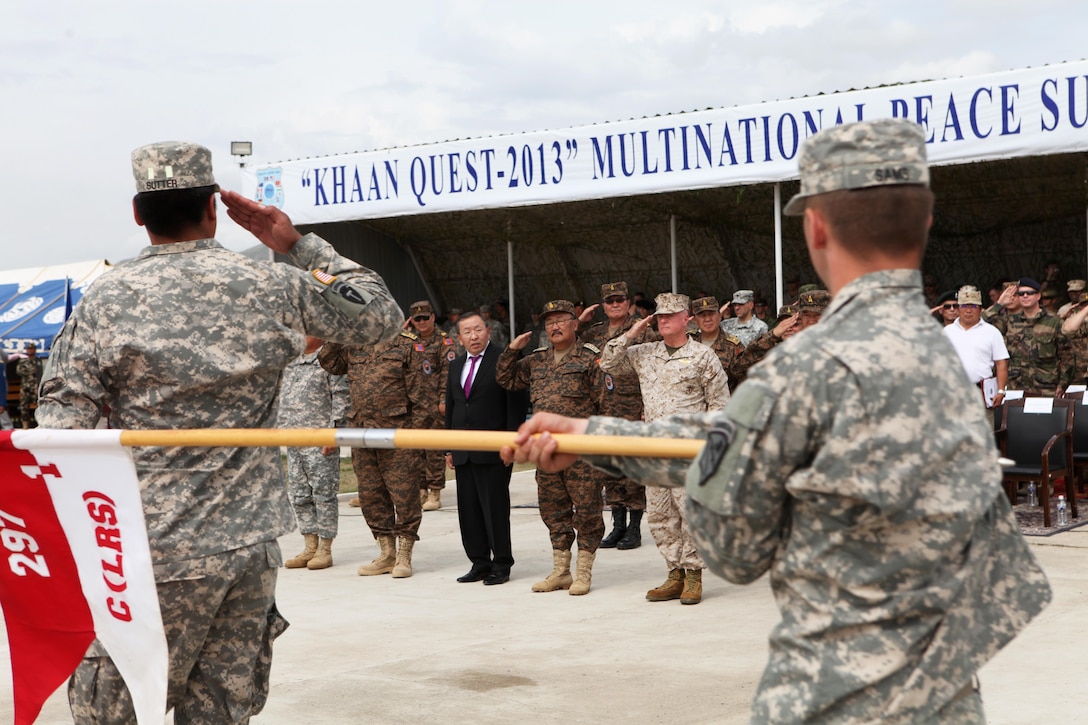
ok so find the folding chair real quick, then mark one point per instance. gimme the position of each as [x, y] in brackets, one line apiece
[1041, 444]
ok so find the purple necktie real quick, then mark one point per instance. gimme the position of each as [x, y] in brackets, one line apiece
[468, 380]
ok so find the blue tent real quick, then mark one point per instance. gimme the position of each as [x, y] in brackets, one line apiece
[33, 315]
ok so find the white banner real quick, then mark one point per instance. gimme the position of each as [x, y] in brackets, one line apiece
[91, 483]
[1029, 112]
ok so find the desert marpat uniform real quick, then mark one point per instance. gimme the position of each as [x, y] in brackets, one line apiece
[388, 390]
[29, 371]
[440, 350]
[1040, 356]
[802, 480]
[190, 335]
[691, 380]
[311, 397]
[570, 501]
[622, 398]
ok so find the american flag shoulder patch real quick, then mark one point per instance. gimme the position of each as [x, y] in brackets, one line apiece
[323, 277]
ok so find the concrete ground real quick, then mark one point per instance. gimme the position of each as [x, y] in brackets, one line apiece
[429, 650]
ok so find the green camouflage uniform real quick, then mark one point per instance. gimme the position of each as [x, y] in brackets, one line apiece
[894, 557]
[440, 350]
[730, 352]
[312, 398]
[29, 371]
[570, 501]
[190, 335]
[390, 388]
[1040, 355]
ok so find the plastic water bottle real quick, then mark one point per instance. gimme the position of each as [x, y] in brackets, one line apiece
[1033, 494]
[1063, 512]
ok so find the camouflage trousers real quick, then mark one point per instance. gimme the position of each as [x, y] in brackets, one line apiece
[570, 505]
[220, 618]
[665, 515]
[389, 490]
[28, 399]
[313, 482]
[434, 470]
[624, 492]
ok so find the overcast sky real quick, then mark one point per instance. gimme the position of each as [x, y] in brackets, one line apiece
[82, 84]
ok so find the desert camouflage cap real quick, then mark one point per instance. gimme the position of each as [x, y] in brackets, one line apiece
[558, 306]
[170, 165]
[815, 301]
[420, 308]
[969, 295]
[704, 304]
[613, 289]
[670, 302]
[885, 152]
[1076, 285]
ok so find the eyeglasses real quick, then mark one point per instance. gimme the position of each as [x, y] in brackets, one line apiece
[950, 307]
[421, 318]
[1026, 293]
[615, 300]
[558, 323]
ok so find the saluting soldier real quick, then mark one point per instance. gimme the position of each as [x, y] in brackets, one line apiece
[1039, 354]
[727, 346]
[563, 378]
[622, 399]
[29, 371]
[389, 389]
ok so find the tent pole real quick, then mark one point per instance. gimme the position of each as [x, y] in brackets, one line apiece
[510, 287]
[778, 289]
[419, 271]
[672, 243]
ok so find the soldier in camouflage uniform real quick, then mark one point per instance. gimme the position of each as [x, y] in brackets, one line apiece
[440, 350]
[29, 371]
[677, 375]
[312, 398]
[1078, 343]
[623, 399]
[744, 325]
[728, 347]
[810, 306]
[894, 556]
[563, 378]
[1040, 357]
[390, 388]
[190, 335]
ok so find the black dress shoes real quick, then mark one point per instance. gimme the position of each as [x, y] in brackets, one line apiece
[497, 577]
[475, 574]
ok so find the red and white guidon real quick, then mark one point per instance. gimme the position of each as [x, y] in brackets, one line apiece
[75, 565]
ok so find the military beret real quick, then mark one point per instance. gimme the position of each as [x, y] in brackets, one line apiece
[420, 308]
[1029, 282]
[170, 165]
[705, 304]
[949, 296]
[558, 306]
[613, 289]
[884, 152]
[670, 302]
[815, 301]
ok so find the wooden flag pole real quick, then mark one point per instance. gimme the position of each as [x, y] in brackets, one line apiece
[423, 439]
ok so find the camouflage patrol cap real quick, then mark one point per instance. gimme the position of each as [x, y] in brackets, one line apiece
[807, 288]
[815, 301]
[705, 304]
[1076, 285]
[558, 306]
[786, 311]
[885, 152]
[1051, 293]
[613, 289]
[670, 302]
[170, 165]
[969, 295]
[743, 296]
[420, 308]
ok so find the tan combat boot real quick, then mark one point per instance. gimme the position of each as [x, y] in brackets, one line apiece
[307, 553]
[560, 577]
[583, 576]
[434, 500]
[403, 568]
[693, 587]
[354, 502]
[671, 589]
[323, 558]
[383, 564]
[422, 496]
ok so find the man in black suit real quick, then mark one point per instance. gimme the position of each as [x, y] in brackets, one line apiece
[474, 401]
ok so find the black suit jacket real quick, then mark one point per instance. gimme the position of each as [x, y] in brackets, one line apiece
[489, 406]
